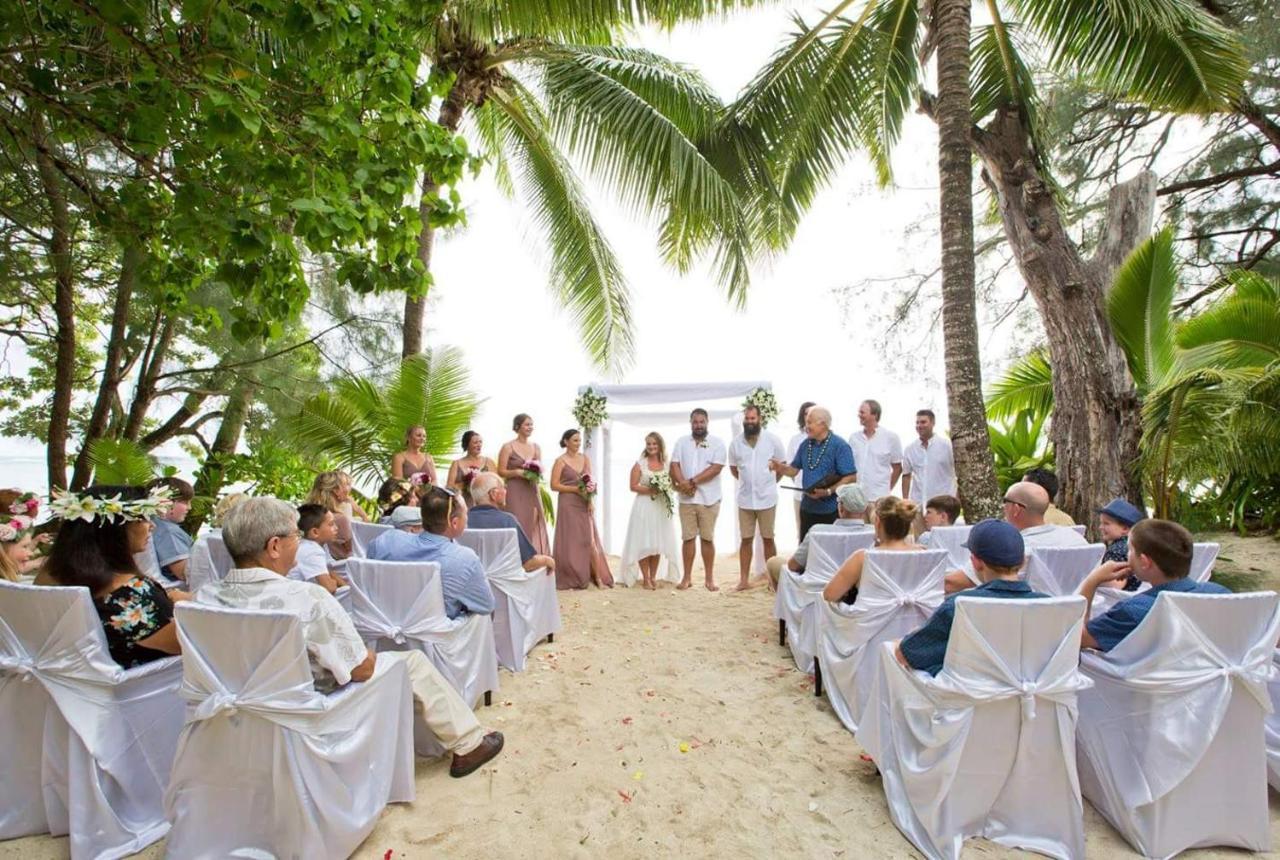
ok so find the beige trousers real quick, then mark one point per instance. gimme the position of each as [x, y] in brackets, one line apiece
[775, 566]
[444, 712]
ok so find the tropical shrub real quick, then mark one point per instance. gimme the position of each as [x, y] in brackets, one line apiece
[1019, 445]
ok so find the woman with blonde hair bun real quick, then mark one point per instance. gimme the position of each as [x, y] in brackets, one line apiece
[893, 518]
[332, 490]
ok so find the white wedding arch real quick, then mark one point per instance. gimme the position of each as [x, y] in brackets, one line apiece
[635, 410]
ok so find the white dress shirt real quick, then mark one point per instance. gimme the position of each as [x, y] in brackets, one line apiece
[1047, 535]
[693, 458]
[313, 560]
[874, 459]
[757, 486]
[932, 469]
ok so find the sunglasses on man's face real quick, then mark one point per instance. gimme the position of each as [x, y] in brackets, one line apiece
[1009, 501]
[452, 494]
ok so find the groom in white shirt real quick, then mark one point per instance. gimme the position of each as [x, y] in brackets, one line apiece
[696, 462]
[749, 456]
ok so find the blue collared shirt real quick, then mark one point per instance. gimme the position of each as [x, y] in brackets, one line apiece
[1122, 619]
[490, 517]
[927, 647]
[172, 544]
[461, 574]
[831, 455]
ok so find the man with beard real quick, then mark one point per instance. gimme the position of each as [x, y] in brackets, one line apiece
[696, 462]
[749, 456]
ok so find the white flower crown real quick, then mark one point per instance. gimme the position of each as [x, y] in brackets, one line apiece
[66, 505]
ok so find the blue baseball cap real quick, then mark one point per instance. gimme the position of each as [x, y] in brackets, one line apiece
[1123, 511]
[996, 542]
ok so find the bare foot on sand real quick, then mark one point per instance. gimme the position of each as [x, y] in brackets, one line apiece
[684, 583]
[711, 585]
[743, 586]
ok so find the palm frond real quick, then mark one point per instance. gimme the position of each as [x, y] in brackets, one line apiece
[1000, 75]
[895, 69]
[1240, 329]
[1027, 385]
[594, 21]
[585, 274]
[1140, 305]
[1169, 54]
[121, 462]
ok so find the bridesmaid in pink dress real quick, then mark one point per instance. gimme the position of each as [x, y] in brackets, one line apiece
[578, 552]
[524, 501]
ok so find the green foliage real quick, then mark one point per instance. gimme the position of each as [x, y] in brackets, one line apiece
[1027, 384]
[360, 423]
[119, 461]
[1020, 445]
[274, 468]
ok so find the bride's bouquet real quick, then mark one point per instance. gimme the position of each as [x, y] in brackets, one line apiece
[664, 491]
[531, 471]
[587, 486]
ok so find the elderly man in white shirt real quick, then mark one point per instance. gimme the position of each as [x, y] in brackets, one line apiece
[1024, 506]
[877, 453]
[928, 466]
[749, 456]
[262, 537]
[696, 462]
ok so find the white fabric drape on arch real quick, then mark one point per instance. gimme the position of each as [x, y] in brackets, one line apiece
[637, 409]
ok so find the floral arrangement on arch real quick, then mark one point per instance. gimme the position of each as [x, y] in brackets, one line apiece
[590, 410]
[764, 401]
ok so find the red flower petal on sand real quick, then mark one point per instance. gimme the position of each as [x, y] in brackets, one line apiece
[626, 721]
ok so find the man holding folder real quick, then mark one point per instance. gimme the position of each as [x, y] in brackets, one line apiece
[827, 463]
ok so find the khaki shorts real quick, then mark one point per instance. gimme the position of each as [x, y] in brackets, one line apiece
[747, 522]
[698, 521]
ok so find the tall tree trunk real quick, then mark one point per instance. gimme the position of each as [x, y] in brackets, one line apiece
[113, 366]
[64, 311]
[153, 362]
[975, 466]
[212, 475]
[1097, 413]
[450, 118]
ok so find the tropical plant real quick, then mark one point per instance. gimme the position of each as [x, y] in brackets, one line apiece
[1019, 445]
[844, 84]
[1027, 384]
[535, 83]
[360, 423]
[121, 462]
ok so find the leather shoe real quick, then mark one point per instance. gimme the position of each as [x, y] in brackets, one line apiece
[488, 749]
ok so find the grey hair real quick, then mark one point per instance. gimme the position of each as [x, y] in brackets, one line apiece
[820, 413]
[249, 525]
[483, 484]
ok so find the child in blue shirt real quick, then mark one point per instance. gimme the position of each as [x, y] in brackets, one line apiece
[171, 543]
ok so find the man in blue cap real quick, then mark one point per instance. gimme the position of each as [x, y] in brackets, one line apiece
[996, 551]
[1114, 522]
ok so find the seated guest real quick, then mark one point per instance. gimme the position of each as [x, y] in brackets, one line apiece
[939, 511]
[98, 553]
[1053, 515]
[313, 562]
[996, 552]
[403, 519]
[171, 543]
[444, 517]
[1024, 508]
[893, 520]
[333, 491]
[1114, 523]
[1159, 554]
[851, 512]
[262, 537]
[489, 511]
[393, 494]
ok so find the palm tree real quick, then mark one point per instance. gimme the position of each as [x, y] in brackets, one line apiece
[536, 83]
[361, 423]
[844, 83]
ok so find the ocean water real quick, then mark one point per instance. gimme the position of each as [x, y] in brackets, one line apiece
[22, 464]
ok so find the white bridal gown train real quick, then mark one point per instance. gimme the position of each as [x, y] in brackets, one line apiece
[650, 531]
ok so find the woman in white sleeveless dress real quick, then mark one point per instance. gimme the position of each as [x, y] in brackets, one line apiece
[650, 551]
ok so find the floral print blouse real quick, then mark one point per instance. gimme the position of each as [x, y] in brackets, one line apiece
[131, 613]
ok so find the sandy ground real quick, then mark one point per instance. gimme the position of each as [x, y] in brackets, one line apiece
[669, 723]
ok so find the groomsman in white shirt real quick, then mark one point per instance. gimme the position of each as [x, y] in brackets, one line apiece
[749, 456]
[877, 453]
[928, 466]
[696, 462]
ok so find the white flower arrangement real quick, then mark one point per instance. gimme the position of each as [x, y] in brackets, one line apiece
[664, 492]
[590, 410]
[66, 505]
[764, 401]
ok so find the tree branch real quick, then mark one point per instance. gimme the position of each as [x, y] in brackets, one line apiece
[220, 367]
[1218, 179]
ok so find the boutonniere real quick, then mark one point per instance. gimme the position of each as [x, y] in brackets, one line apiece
[702, 444]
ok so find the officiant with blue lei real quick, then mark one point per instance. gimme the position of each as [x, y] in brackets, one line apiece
[825, 463]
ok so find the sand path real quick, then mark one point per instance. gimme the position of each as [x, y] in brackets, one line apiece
[595, 763]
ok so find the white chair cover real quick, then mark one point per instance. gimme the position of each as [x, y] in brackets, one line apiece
[269, 767]
[798, 593]
[1171, 736]
[987, 748]
[526, 607]
[399, 606]
[362, 534]
[1079, 529]
[87, 745]
[1059, 570]
[1272, 727]
[209, 562]
[897, 593]
[952, 538]
[1203, 558]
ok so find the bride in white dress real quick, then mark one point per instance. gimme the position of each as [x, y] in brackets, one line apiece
[650, 551]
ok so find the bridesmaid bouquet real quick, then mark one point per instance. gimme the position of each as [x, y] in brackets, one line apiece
[467, 476]
[664, 491]
[419, 479]
[587, 487]
[531, 471]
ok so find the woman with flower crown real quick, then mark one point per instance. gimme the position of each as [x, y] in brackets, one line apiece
[578, 551]
[520, 465]
[18, 511]
[651, 547]
[102, 530]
